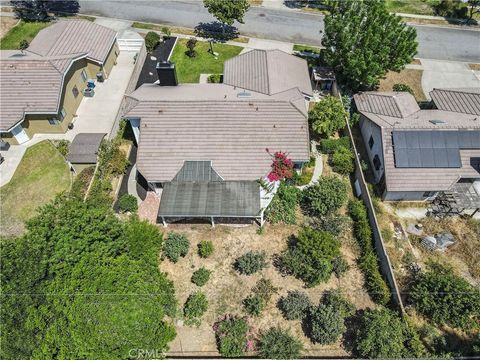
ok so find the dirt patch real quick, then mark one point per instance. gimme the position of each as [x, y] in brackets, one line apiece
[475, 67]
[410, 77]
[6, 23]
[416, 62]
[227, 288]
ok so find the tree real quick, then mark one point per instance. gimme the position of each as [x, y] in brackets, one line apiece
[327, 116]
[276, 343]
[227, 11]
[38, 10]
[473, 8]
[191, 43]
[402, 87]
[23, 46]
[363, 42]
[151, 41]
[325, 197]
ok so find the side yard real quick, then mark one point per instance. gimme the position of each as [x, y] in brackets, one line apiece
[22, 31]
[42, 174]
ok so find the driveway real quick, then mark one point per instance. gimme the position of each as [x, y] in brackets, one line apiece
[447, 74]
[94, 115]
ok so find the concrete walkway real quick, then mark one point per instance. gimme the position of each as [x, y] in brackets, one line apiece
[317, 172]
[95, 114]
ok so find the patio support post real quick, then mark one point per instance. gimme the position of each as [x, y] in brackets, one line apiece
[164, 222]
[262, 221]
[213, 222]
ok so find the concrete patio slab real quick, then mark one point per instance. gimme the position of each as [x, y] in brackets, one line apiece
[114, 24]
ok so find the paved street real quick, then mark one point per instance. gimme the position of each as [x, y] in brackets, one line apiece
[283, 25]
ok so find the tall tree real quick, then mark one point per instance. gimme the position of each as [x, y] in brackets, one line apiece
[363, 41]
[227, 11]
[473, 8]
[40, 10]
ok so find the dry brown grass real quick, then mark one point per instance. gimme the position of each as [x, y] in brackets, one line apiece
[410, 77]
[416, 62]
[475, 67]
[6, 23]
[255, 2]
[227, 288]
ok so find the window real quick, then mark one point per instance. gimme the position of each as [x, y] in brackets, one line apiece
[63, 114]
[428, 194]
[376, 162]
[84, 75]
[75, 91]
[53, 121]
[371, 142]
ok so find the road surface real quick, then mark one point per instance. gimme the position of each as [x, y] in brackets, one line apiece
[284, 25]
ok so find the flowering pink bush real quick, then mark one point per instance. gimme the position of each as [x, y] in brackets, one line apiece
[282, 167]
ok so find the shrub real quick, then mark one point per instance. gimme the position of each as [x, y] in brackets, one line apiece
[325, 197]
[62, 147]
[81, 182]
[402, 88]
[326, 324]
[282, 167]
[265, 289]
[337, 300]
[232, 335]
[195, 306]
[176, 246]
[166, 31]
[329, 146]
[375, 283]
[23, 45]
[254, 305]
[276, 343]
[201, 276]
[215, 78]
[191, 44]
[282, 208]
[151, 41]
[205, 248]
[334, 224]
[128, 203]
[446, 298]
[295, 305]
[251, 262]
[342, 161]
[310, 256]
[327, 116]
[340, 266]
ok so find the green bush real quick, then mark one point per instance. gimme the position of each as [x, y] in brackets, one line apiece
[326, 324]
[327, 116]
[62, 147]
[310, 257]
[446, 298]
[369, 262]
[329, 146]
[176, 246]
[282, 208]
[195, 306]
[201, 276]
[166, 31]
[337, 300]
[127, 203]
[276, 343]
[334, 224]
[402, 88]
[151, 41]
[254, 305]
[251, 262]
[342, 161]
[340, 266]
[215, 78]
[294, 306]
[231, 334]
[205, 248]
[325, 197]
[81, 182]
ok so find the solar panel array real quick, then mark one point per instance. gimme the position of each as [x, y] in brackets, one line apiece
[432, 149]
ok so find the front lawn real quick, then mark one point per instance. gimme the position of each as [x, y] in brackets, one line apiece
[23, 31]
[40, 176]
[189, 69]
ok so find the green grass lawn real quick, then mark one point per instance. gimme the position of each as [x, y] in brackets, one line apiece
[23, 31]
[307, 48]
[189, 69]
[420, 7]
[40, 176]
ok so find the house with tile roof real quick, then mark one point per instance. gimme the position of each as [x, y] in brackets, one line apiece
[42, 87]
[204, 147]
[415, 154]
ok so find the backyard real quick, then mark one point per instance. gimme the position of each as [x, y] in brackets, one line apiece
[23, 31]
[40, 176]
[190, 68]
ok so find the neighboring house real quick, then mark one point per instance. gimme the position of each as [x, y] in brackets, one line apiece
[42, 87]
[415, 153]
[83, 151]
[203, 147]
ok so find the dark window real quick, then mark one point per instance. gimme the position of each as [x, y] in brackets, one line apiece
[376, 162]
[75, 91]
[371, 142]
[84, 75]
[428, 194]
[63, 113]
[53, 121]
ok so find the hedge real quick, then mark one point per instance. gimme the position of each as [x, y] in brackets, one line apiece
[330, 145]
[369, 263]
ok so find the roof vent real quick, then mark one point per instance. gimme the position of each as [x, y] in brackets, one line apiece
[437, 122]
[244, 94]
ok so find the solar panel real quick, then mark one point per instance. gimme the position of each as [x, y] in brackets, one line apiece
[432, 149]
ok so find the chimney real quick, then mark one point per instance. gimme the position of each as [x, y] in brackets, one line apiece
[167, 75]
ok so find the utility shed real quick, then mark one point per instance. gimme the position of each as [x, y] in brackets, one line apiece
[197, 191]
[83, 150]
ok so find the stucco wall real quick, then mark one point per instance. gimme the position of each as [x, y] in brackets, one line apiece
[111, 59]
[368, 128]
[9, 138]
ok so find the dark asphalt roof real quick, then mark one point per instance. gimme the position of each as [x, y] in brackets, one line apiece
[84, 148]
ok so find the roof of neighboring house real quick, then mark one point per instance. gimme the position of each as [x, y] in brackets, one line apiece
[392, 104]
[464, 100]
[210, 199]
[217, 123]
[30, 83]
[267, 72]
[74, 36]
[84, 148]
